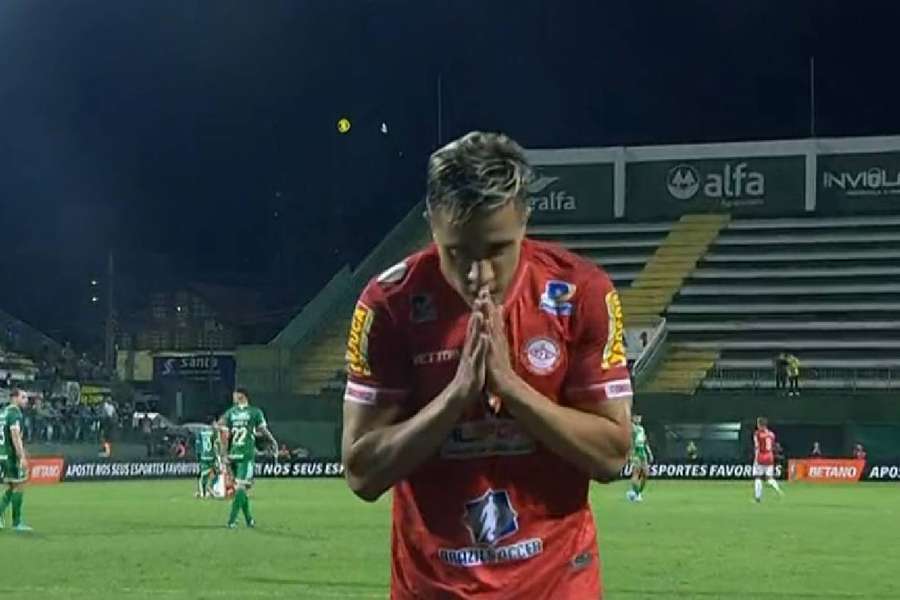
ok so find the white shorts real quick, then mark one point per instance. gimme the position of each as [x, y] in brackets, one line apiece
[763, 470]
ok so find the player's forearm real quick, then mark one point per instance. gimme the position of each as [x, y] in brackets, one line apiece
[19, 446]
[382, 457]
[596, 444]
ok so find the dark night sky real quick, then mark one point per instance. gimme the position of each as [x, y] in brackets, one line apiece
[173, 132]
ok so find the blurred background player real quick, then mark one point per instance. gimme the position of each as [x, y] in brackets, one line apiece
[13, 460]
[641, 457]
[764, 459]
[243, 423]
[487, 385]
[209, 456]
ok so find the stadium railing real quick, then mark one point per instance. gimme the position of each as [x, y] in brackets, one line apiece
[827, 378]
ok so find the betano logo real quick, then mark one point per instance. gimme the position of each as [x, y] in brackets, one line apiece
[552, 200]
[734, 181]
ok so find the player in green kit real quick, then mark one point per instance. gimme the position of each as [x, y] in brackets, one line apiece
[243, 423]
[641, 457]
[208, 455]
[13, 460]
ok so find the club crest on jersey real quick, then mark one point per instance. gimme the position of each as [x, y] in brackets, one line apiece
[556, 298]
[491, 518]
[542, 355]
[422, 309]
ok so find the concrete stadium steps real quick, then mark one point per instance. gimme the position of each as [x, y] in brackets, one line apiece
[660, 279]
[322, 361]
[682, 370]
[872, 354]
[790, 327]
[827, 383]
[622, 249]
[824, 289]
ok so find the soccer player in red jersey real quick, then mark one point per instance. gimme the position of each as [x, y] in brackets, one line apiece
[487, 385]
[764, 459]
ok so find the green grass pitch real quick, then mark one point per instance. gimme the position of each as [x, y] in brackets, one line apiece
[152, 540]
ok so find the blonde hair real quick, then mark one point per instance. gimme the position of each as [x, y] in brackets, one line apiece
[479, 171]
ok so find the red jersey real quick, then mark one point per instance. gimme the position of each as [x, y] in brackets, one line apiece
[493, 514]
[764, 445]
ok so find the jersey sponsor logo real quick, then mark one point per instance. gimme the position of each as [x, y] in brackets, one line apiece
[487, 437]
[491, 518]
[393, 274]
[614, 353]
[422, 309]
[358, 342]
[542, 355]
[435, 358]
[556, 298]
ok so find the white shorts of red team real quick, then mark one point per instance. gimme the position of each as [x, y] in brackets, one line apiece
[767, 471]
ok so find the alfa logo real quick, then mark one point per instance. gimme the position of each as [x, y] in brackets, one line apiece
[683, 182]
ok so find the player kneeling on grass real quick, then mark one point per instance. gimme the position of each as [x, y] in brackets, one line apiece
[764, 459]
[208, 455]
[13, 460]
[243, 423]
[641, 457]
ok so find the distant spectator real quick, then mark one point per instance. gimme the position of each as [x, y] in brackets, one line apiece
[859, 452]
[793, 375]
[816, 451]
[179, 450]
[105, 449]
[7, 381]
[284, 452]
[779, 453]
[692, 451]
[147, 431]
[644, 340]
[781, 371]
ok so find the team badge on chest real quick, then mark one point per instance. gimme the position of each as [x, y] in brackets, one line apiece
[541, 355]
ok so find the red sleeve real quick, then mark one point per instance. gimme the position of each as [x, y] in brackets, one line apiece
[598, 365]
[377, 359]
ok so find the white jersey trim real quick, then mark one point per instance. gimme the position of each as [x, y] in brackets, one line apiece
[618, 389]
[370, 395]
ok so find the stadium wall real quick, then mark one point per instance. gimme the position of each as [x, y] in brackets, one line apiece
[834, 176]
[820, 407]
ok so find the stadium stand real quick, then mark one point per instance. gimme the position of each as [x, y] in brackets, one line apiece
[823, 289]
[306, 359]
